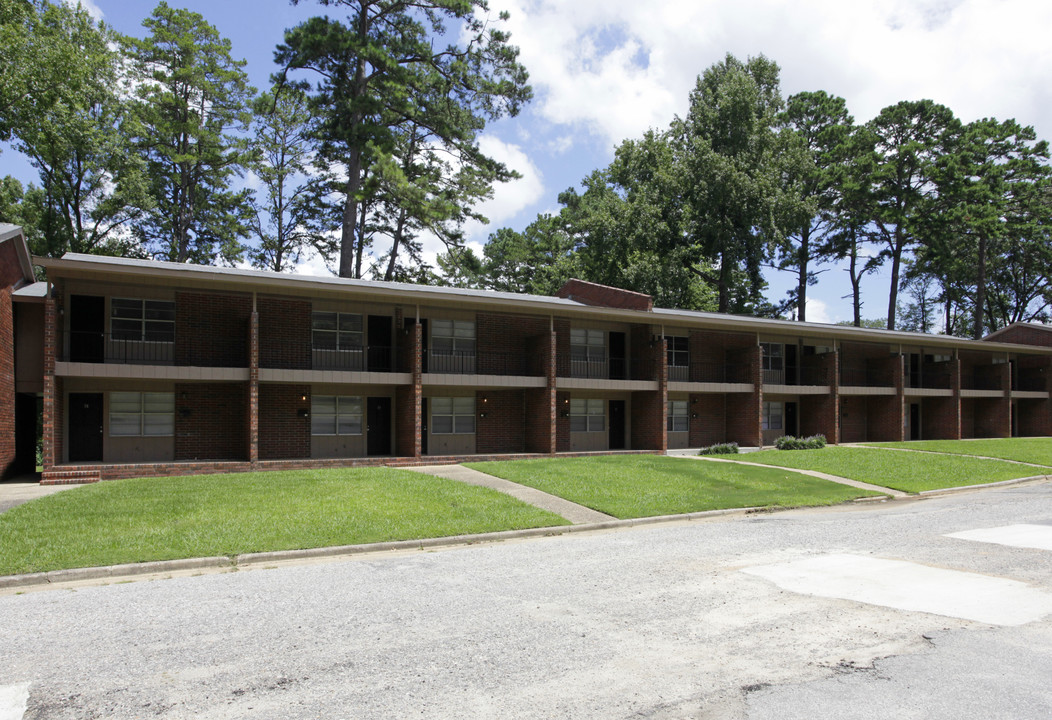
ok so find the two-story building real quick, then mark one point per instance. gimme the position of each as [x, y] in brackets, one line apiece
[145, 368]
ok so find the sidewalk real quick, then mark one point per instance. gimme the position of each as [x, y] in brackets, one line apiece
[16, 491]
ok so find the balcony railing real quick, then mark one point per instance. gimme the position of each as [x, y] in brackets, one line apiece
[588, 368]
[709, 371]
[930, 379]
[1030, 382]
[853, 375]
[797, 376]
[981, 382]
[456, 362]
[98, 347]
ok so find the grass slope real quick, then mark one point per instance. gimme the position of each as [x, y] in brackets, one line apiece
[1031, 450]
[909, 472]
[630, 486]
[126, 521]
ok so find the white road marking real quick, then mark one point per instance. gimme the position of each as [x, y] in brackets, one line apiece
[1024, 536]
[13, 699]
[909, 586]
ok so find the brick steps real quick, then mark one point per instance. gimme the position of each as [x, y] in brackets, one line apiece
[71, 477]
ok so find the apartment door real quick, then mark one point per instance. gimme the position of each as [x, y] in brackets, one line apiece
[792, 373]
[792, 422]
[85, 427]
[915, 421]
[378, 428]
[618, 362]
[617, 424]
[381, 345]
[87, 327]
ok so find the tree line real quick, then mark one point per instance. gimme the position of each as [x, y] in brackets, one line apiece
[747, 180]
[366, 144]
[159, 147]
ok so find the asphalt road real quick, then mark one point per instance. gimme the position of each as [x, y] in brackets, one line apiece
[665, 621]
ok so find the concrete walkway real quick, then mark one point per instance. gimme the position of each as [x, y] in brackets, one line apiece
[812, 473]
[577, 514]
[15, 492]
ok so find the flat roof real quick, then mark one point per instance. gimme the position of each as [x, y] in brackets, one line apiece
[76, 264]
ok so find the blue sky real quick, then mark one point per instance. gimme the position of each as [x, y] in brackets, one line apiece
[606, 70]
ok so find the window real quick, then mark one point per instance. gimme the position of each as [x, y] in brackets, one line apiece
[335, 415]
[587, 345]
[773, 356]
[147, 414]
[452, 416]
[772, 416]
[587, 415]
[336, 331]
[453, 337]
[142, 320]
[678, 351]
[678, 420]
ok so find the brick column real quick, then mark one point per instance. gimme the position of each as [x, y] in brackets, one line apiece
[408, 418]
[253, 387]
[820, 414]
[52, 400]
[898, 370]
[1006, 404]
[661, 360]
[541, 409]
[650, 407]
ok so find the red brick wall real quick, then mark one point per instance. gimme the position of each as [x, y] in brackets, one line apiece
[641, 355]
[10, 268]
[939, 418]
[540, 405]
[210, 421]
[502, 430]
[1033, 417]
[1026, 335]
[508, 344]
[407, 411]
[712, 350]
[986, 417]
[853, 414]
[710, 425]
[589, 293]
[819, 414]
[562, 349]
[284, 333]
[283, 433]
[744, 410]
[7, 380]
[562, 421]
[884, 419]
[211, 330]
[649, 407]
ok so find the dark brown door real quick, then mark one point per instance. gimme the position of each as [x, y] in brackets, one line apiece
[378, 430]
[423, 426]
[381, 352]
[791, 419]
[618, 363]
[617, 424]
[87, 325]
[85, 427]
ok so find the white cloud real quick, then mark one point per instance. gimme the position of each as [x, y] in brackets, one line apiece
[818, 312]
[89, 6]
[617, 67]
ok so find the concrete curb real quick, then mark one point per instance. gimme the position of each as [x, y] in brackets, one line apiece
[1002, 483]
[114, 572]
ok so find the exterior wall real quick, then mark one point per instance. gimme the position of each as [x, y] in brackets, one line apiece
[940, 418]
[452, 443]
[211, 330]
[562, 421]
[7, 377]
[407, 410]
[284, 333]
[562, 346]
[649, 409]
[986, 417]
[744, 410]
[29, 347]
[1033, 417]
[708, 419]
[210, 421]
[854, 413]
[508, 344]
[819, 414]
[284, 421]
[502, 430]
[1025, 335]
[640, 355]
[539, 404]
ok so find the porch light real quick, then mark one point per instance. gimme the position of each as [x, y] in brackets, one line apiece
[303, 412]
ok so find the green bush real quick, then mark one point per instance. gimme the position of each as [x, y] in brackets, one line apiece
[788, 442]
[720, 449]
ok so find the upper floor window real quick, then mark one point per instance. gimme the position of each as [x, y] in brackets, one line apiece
[587, 345]
[773, 356]
[335, 415]
[451, 416]
[678, 420]
[678, 351]
[142, 414]
[587, 415]
[453, 337]
[142, 320]
[336, 331]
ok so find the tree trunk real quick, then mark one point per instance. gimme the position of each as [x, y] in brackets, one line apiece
[980, 291]
[395, 241]
[893, 295]
[856, 286]
[801, 285]
[350, 215]
[724, 285]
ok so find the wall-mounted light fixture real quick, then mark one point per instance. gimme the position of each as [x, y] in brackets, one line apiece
[482, 415]
[303, 397]
[694, 416]
[303, 413]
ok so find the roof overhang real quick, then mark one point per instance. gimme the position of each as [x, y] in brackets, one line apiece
[14, 234]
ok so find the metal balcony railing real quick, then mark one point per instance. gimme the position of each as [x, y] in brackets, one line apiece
[98, 347]
[710, 371]
[981, 382]
[854, 375]
[455, 362]
[580, 368]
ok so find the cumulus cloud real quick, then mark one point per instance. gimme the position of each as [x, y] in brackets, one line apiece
[618, 67]
[89, 6]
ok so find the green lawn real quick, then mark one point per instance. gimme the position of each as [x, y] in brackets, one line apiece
[630, 486]
[1031, 450]
[909, 472]
[126, 521]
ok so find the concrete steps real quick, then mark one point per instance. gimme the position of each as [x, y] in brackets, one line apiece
[75, 476]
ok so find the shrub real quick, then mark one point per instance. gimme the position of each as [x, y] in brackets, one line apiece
[720, 449]
[788, 442]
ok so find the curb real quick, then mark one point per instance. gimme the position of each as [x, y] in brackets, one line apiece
[223, 562]
[1002, 483]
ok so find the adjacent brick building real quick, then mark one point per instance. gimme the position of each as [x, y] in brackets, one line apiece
[155, 368]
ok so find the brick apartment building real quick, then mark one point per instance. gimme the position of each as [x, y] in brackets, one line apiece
[148, 368]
